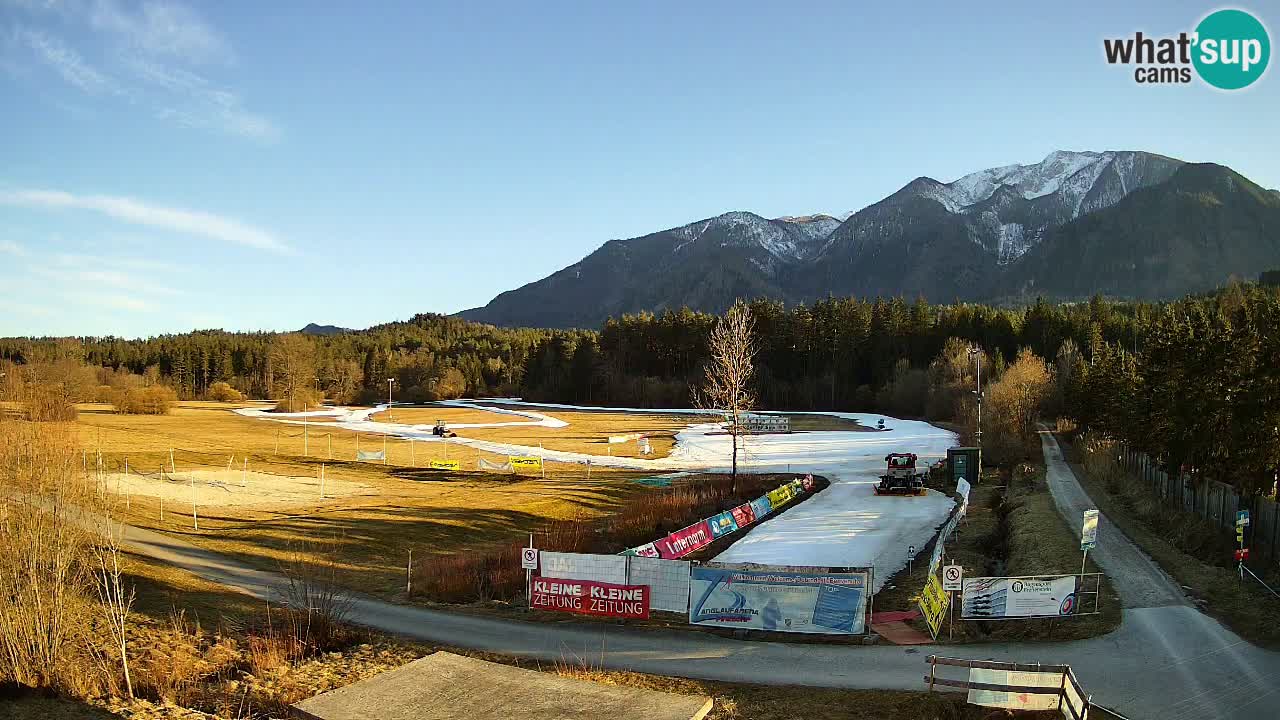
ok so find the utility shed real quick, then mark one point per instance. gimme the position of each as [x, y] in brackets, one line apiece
[444, 686]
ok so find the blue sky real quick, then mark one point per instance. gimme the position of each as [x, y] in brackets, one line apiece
[169, 165]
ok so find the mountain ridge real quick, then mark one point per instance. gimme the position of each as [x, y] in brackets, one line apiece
[962, 240]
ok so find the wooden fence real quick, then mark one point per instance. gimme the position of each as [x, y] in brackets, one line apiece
[1213, 501]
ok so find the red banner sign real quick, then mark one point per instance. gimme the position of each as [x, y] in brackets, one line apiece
[682, 542]
[743, 515]
[586, 597]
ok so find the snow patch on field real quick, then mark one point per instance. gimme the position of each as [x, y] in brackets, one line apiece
[845, 525]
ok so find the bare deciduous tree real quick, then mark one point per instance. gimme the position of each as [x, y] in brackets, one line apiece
[730, 372]
[115, 601]
[294, 368]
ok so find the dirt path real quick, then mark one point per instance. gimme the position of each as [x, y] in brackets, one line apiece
[1139, 580]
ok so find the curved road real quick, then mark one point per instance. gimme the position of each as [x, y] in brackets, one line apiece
[1166, 661]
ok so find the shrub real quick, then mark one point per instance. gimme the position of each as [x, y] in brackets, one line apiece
[153, 400]
[48, 403]
[222, 392]
[302, 399]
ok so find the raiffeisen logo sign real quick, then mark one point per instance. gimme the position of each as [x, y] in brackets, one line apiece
[1229, 50]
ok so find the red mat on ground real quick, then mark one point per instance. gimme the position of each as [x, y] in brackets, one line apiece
[900, 633]
[894, 616]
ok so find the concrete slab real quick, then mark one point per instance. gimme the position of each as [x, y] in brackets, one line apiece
[444, 686]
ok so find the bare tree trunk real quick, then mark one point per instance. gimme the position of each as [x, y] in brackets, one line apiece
[116, 604]
[730, 374]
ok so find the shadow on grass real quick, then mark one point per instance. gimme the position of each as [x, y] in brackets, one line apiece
[18, 701]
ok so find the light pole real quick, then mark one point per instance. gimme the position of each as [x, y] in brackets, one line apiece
[390, 382]
[976, 354]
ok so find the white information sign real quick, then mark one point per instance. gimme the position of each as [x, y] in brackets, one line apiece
[529, 558]
[952, 575]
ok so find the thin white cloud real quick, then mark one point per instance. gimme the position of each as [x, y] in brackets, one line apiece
[190, 222]
[206, 106]
[10, 247]
[125, 264]
[104, 279]
[161, 28]
[68, 63]
[142, 48]
[114, 301]
[23, 308]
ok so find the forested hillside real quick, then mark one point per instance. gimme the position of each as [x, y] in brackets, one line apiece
[1193, 382]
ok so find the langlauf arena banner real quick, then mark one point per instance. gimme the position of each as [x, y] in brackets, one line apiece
[779, 599]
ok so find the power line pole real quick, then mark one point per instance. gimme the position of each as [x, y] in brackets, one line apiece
[976, 354]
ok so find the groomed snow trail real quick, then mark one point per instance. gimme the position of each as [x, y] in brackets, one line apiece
[846, 525]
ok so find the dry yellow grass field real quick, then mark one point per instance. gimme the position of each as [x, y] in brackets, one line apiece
[368, 531]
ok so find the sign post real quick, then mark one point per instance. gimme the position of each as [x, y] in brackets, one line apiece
[952, 581]
[1088, 536]
[529, 561]
[1242, 521]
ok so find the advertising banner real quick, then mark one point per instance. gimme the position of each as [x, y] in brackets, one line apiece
[647, 550]
[586, 597]
[933, 604]
[1089, 530]
[1052, 682]
[722, 524]
[743, 515]
[779, 496]
[761, 506]
[782, 600]
[682, 542]
[445, 465]
[1026, 597]
[370, 455]
[531, 463]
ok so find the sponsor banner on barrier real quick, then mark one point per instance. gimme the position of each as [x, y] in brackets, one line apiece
[722, 524]
[646, 550]
[939, 547]
[1052, 682]
[445, 465]
[586, 597]
[371, 455]
[743, 515]
[525, 462]
[761, 506]
[684, 541]
[779, 496]
[933, 604]
[782, 600]
[1024, 597]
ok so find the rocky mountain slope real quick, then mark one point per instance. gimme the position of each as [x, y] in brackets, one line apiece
[1060, 227]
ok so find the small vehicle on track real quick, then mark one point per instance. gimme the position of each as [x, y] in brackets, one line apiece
[901, 477]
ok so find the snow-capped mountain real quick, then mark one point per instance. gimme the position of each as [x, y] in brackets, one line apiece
[984, 235]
